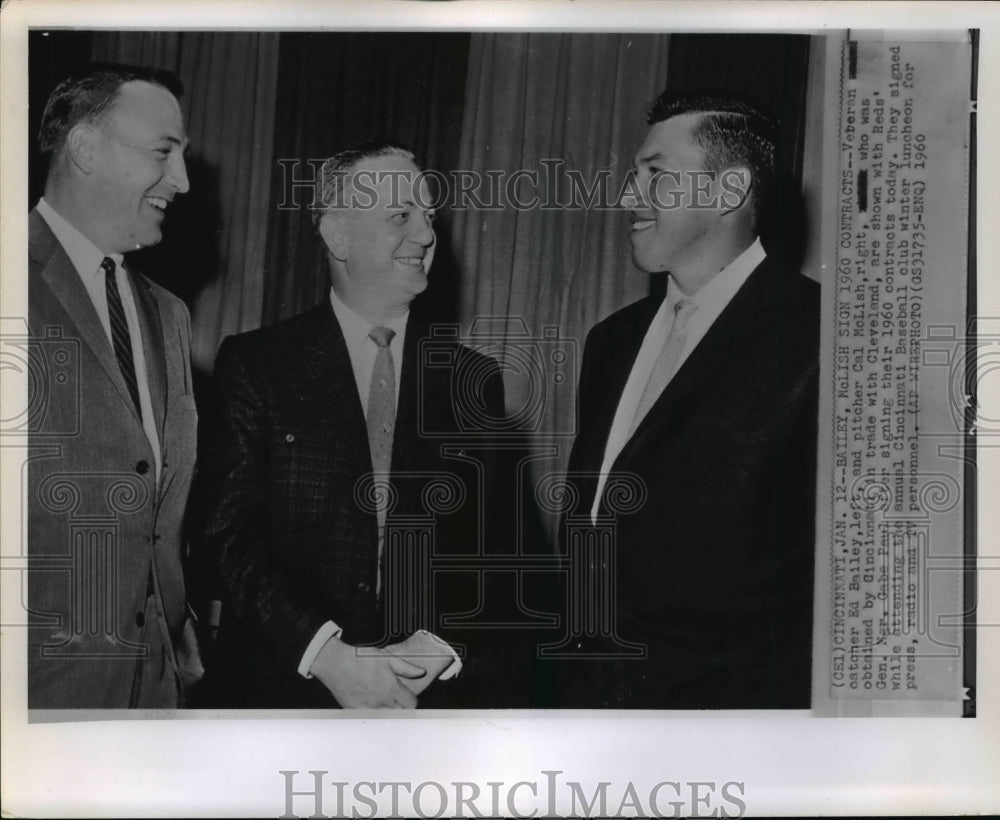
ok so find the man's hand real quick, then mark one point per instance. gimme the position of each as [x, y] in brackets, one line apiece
[364, 678]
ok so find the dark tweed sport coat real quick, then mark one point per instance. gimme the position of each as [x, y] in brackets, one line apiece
[289, 519]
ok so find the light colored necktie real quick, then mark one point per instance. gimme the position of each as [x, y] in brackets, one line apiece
[666, 362]
[381, 417]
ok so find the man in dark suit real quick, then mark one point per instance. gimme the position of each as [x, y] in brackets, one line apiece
[325, 569]
[706, 400]
[113, 441]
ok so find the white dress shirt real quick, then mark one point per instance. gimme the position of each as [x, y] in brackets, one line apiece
[362, 349]
[87, 258]
[710, 301]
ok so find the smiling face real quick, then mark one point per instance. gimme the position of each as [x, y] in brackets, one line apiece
[667, 233]
[138, 167]
[383, 243]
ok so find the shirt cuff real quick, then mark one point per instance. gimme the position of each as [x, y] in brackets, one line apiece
[456, 662]
[323, 634]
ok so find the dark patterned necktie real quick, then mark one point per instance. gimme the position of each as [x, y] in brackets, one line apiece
[120, 338]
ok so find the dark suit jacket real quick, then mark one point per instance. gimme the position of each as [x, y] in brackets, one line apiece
[100, 532]
[295, 541]
[714, 570]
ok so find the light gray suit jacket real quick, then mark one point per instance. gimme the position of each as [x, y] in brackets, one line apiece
[106, 594]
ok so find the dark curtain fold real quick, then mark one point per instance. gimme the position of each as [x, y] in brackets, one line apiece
[52, 55]
[336, 90]
[773, 70]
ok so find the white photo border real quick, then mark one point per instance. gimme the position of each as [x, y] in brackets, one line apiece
[790, 764]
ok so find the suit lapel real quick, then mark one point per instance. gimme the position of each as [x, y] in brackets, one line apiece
[620, 347]
[416, 384]
[62, 279]
[151, 328]
[329, 367]
[738, 320]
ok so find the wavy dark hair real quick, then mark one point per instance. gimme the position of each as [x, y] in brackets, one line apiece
[733, 131]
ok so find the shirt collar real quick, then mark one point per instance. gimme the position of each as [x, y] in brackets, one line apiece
[84, 254]
[356, 328]
[717, 292]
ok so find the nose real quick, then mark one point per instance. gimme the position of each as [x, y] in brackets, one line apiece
[178, 174]
[633, 196]
[422, 231]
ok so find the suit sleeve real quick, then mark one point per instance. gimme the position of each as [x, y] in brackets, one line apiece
[256, 588]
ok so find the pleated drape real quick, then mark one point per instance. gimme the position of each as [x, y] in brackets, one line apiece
[575, 103]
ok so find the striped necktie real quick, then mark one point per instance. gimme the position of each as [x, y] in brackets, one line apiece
[120, 338]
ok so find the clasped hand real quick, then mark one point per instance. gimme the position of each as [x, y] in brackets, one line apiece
[365, 677]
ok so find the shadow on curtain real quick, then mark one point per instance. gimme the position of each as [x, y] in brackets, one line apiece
[212, 254]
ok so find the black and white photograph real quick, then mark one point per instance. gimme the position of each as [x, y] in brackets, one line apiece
[433, 409]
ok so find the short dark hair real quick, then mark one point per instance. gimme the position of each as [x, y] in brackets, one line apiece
[732, 131]
[89, 96]
[333, 171]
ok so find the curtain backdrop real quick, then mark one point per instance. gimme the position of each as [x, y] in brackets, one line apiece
[215, 237]
[579, 99]
[340, 89]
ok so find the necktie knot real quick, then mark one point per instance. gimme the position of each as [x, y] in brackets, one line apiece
[382, 336]
[683, 308]
[108, 266]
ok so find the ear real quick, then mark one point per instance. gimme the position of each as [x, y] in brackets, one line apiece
[331, 228]
[735, 188]
[81, 146]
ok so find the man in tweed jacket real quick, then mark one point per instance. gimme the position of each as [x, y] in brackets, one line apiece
[299, 535]
[113, 435]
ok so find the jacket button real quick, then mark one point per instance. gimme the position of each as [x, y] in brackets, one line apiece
[364, 586]
[140, 620]
[142, 467]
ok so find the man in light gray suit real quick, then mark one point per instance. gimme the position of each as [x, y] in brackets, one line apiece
[112, 434]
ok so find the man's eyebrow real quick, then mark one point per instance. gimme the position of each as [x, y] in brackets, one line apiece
[656, 155]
